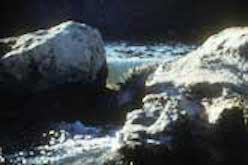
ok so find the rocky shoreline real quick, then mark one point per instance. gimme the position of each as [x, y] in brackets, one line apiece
[190, 110]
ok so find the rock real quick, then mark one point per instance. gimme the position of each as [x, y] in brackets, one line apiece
[69, 53]
[56, 74]
[194, 108]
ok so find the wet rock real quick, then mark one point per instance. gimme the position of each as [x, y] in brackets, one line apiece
[195, 107]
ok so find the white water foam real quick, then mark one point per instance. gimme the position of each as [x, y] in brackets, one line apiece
[72, 144]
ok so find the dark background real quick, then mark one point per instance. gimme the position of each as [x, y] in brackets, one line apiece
[127, 19]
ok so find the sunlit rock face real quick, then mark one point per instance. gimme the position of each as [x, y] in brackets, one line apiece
[215, 74]
[67, 53]
[56, 74]
[194, 106]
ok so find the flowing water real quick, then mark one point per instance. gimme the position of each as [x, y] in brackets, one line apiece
[77, 144]
[72, 144]
[125, 55]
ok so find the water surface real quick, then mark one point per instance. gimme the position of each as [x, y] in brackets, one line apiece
[76, 143]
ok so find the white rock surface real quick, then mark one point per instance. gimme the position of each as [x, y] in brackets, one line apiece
[199, 86]
[67, 53]
[216, 74]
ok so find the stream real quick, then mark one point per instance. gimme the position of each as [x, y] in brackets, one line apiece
[76, 143]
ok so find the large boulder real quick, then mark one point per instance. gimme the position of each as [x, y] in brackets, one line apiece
[195, 107]
[56, 74]
[69, 53]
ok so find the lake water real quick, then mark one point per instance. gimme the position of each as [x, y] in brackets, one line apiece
[76, 143]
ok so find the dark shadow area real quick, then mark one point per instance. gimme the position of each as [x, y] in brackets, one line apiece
[24, 118]
[126, 19]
